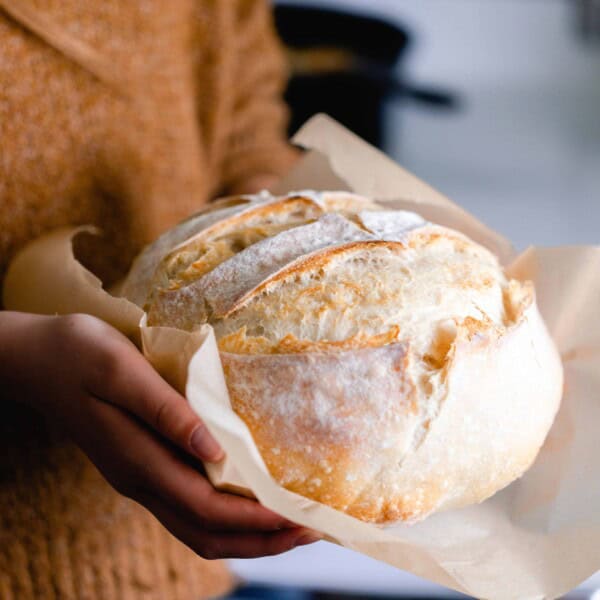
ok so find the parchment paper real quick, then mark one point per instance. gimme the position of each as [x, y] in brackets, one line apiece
[538, 538]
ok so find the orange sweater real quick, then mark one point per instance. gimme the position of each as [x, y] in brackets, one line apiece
[129, 115]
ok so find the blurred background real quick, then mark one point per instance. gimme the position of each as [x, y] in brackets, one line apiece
[494, 102]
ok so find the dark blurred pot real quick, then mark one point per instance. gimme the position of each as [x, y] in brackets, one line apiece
[347, 65]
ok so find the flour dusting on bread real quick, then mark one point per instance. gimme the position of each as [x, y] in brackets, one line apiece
[384, 365]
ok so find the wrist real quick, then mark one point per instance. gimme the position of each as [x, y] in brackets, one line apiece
[17, 345]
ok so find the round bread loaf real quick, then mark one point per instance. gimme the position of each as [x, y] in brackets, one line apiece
[384, 365]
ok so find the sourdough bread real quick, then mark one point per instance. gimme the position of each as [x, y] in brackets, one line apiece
[384, 365]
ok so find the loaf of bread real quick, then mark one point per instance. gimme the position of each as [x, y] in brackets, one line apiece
[384, 365]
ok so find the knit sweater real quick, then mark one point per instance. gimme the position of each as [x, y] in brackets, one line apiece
[129, 115]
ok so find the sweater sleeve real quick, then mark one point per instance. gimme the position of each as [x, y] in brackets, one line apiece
[257, 143]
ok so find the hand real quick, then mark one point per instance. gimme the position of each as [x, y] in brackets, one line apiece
[138, 431]
[253, 184]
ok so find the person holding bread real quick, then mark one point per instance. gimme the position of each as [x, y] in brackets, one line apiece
[130, 116]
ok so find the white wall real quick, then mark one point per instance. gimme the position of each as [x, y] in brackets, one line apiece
[496, 42]
[525, 148]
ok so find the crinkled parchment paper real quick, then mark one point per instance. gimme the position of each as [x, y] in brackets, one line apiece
[538, 538]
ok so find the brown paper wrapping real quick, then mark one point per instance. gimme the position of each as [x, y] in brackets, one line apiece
[538, 538]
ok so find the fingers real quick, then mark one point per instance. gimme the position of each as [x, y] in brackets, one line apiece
[254, 545]
[219, 544]
[122, 380]
[122, 376]
[136, 460]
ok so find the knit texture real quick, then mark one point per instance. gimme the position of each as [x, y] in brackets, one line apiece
[64, 533]
[132, 114]
[129, 115]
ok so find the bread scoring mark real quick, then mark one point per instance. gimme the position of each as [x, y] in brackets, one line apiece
[318, 259]
[371, 276]
[222, 287]
[238, 232]
[138, 281]
[517, 298]
[239, 342]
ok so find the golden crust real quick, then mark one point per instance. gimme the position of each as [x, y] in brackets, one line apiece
[307, 398]
[317, 260]
[234, 234]
[357, 475]
[239, 343]
[417, 381]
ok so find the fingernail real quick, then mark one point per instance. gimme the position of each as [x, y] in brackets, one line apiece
[205, 446]
[285, 524]
[309, 538]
